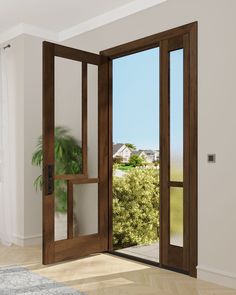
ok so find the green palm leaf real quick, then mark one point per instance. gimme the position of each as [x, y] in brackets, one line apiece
[68, 160]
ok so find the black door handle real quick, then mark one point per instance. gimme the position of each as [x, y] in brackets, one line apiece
[50, 179]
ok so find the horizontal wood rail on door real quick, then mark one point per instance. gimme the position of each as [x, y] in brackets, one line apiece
[76, 177]
[176, 184]
[77, 55]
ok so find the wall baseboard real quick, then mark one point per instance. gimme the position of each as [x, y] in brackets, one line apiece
[219, 277]
[27, 240]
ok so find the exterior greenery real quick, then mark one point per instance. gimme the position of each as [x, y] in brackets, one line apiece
[131, 146]
[68, 160]
[123, 167]
[136, 208]
[117, 160]
[136, 160]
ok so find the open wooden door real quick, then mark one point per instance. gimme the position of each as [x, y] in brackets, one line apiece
[75, 153]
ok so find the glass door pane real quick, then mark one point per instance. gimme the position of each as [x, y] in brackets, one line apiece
[176, 68]
[176, 115]
[85, 205]
[176, 216]
[68, 135]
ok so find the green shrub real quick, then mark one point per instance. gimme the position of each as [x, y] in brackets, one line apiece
[130, 146]
[117, 160]
[136, 161]
[136, 208]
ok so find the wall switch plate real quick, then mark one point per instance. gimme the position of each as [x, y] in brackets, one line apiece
[211, 158]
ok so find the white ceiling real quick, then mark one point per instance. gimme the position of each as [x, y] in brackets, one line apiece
[62, 19]
[55, 15]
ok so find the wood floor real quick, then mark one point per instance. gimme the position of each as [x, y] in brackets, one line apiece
[109, 275]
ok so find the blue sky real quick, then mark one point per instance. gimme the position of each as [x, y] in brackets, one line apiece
[136, 99]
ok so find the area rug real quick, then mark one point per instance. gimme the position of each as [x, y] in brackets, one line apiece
[19, 280]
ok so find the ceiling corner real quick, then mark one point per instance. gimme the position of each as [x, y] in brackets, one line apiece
[91, 24]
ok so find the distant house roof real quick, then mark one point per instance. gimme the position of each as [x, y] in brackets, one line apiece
[138, 153]
[117, 147]
[151, 152]
[148, 152]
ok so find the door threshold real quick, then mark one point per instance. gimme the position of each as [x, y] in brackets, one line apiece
[148, 262]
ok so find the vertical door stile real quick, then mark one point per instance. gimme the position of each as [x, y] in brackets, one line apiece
[85, 118]
[48, 151]
[70, 213]
[110, 169]
[164, 152]
[186, 152]
[193, 146]
[103, 160]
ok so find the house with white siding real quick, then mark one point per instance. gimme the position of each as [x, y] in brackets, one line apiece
[120, 150]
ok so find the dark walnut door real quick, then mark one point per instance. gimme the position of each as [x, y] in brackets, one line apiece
[75, 153]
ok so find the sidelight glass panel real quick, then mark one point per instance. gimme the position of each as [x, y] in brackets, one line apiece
[176, 216]
[85, 217]
[68, 134]
[176, 115]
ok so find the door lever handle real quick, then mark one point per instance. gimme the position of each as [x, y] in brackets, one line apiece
[50, 179]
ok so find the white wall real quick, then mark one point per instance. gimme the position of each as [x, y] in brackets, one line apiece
[216, 108]
[15, 74]
[216, 113]
[24, 80]
[32, 129]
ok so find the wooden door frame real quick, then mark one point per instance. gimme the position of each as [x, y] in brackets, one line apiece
[158, 40]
